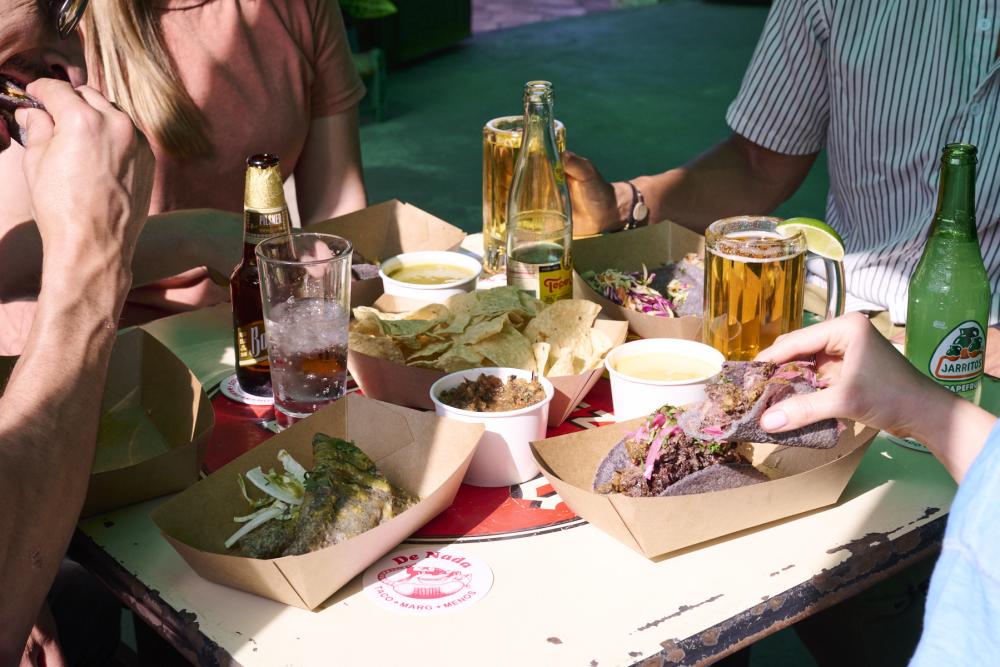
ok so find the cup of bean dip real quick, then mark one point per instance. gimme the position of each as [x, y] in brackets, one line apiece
[514, 408]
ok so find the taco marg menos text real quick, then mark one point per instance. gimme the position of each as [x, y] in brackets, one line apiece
[695, 449]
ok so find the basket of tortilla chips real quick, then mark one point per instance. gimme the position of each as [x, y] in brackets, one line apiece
[396, 357]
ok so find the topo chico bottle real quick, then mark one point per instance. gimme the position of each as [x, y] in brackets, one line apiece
[264, 215]
[539, 220]
[949, 294]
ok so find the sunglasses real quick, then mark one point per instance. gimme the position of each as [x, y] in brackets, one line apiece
[65, 15]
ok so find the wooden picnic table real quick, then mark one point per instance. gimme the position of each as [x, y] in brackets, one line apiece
[564, 593]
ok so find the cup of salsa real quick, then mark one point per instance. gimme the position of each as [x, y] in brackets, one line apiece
[430, 275]
[512, 405]
[647, 374]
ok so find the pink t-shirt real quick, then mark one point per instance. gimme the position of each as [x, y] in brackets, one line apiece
[260, 71]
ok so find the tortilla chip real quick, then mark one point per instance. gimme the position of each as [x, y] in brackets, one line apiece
[507, 349]
[428, 352]
[564, 323]
[375, 346]
[541, 353]
[459, 358]
[406, 328]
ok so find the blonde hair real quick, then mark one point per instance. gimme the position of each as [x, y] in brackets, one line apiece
[137, 73]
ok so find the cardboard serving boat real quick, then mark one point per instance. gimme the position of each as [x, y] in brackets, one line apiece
[410, 385]
[417, 451]
[802, 479]
[652, 246]
[386, 230]
[155, 423]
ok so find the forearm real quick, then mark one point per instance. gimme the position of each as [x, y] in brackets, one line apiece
[735, 177]
[170, 243]
[48, 423]
[329, 180]
[953, 429]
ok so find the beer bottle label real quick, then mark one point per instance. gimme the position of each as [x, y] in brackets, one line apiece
[547, 282]
[957, 362]
[251, 343]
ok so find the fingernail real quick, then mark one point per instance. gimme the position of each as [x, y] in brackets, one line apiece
[773, 419]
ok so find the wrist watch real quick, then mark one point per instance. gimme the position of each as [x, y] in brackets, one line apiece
[638, 214]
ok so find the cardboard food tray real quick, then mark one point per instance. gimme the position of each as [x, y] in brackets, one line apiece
[156, 420]
[417, 451]
[386, 230]
[410, 386]
[653, 246]
[802, 479]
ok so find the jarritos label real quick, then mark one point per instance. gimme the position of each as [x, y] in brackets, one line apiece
[958, 358]
[251, 344]
[427, 582]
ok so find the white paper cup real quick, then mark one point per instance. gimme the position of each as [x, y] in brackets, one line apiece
[637, 397]
[504, 456]
[430, 293]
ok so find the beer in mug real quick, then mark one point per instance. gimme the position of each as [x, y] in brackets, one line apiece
[754, 285]
[265, 215]
[501, 141]
[949, 295]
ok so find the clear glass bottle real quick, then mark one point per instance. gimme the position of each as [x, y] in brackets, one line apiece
[539, 219]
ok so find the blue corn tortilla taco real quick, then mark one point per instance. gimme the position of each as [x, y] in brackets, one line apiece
[659, 459]
[742, 392]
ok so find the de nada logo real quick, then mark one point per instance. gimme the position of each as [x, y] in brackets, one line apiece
[427, 582]
[959, 356]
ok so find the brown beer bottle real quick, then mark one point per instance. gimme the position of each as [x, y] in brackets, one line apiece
[265, 214]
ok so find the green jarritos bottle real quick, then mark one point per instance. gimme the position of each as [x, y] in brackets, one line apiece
[949, 298]
[539, 221]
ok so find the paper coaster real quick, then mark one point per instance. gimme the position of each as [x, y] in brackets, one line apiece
[230, 388]
[427, 582]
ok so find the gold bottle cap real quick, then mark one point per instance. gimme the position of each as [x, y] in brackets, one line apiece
[264, 186]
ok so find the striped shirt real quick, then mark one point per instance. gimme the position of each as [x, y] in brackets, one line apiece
[883, 85]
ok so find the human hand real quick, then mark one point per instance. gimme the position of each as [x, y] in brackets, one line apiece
[42, 648]
[870, 381]
[89, 174]
[595, 204]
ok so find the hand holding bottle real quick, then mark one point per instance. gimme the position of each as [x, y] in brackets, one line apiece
[89, 172]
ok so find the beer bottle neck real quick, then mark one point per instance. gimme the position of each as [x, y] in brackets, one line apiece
[956, 208]
[260, 225]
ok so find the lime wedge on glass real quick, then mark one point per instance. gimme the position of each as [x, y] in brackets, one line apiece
[821, 238]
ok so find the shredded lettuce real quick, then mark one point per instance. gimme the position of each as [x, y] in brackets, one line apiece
[258, 520]
[280, 486]
[292, 467]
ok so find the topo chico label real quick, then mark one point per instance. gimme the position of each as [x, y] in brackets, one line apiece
[251, 343]
[957, 362]
[547, 282]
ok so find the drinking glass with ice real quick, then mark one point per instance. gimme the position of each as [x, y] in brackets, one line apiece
[305, 283]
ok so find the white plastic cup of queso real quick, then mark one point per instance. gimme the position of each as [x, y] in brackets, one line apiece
[503, 456]
[647, 374]
[429, 262]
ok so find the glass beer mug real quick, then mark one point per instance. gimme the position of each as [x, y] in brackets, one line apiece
[501, 142]
[755, 285]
